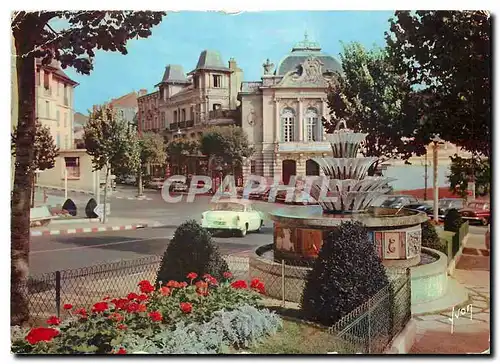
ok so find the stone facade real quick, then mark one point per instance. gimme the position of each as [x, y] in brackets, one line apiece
[282, 113]
[54, 103]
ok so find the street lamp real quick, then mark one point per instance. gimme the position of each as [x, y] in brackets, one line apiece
[436, 140]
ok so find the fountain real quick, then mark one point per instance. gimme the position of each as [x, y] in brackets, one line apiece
[345, 192]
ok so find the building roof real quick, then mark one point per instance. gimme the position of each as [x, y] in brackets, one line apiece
[303, 50]
[79, 119]
[126, 101]
[210, 60]
[56, 68]
[174, 74]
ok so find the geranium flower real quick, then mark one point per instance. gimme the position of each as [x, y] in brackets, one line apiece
[202, 288]
[141, 308]
[53, 320]
[121, 351]
[192, 276]
[100, 307]
[82, 312]
[119, 303]
[155, 316]
[132, 307]
[182, 285]
[38, 334]
[67, 306]
[239, 284]
[146, 286]
[208, 278]
[186, 307]
[121, 327]
[257, 285]
[172, 284]
[115, 316]
[227, 275]
[165, 291]
[132, 296]
[142, 297]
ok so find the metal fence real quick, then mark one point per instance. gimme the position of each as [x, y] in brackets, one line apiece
[371, 327]
[82, 287]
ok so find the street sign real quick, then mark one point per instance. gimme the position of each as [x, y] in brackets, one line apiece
[99, 210]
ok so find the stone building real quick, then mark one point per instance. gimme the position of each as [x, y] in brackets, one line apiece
[127, 106]
[282, 113]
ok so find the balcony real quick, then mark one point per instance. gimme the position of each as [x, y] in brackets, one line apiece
[189, 123]
[297, 146]
[174, 126]
[222, 116]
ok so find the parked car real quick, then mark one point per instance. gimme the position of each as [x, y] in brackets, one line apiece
[178, 185]
[446, 204]
[263, 194]
[156, 183]
[420, 207]
[398, 201]
[478, 211]
[237, 215]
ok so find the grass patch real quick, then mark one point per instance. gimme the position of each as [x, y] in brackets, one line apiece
[300, 338]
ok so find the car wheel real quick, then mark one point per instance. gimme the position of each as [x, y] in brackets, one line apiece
[484, 221]
[260, 226]
[243, 232]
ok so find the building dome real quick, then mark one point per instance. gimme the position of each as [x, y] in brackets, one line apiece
[303, 50]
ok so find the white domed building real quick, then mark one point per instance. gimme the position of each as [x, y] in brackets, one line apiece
[282, 113]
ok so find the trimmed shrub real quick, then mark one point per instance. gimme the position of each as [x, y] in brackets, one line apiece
[345, 275]
[453, 220]
[191, 250]
[430, 237]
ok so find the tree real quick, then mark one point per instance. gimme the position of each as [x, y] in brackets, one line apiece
[465, 170]
[227, 145]
[371, 98]
[178, 150]
[111, 142]
[151, 150]
[347, 273]
[45, 152]
[73, 46]
[448, 54]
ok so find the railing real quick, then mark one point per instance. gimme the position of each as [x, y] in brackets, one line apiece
[371, 327]
[222, 114]
[174, 126]
[189, 123]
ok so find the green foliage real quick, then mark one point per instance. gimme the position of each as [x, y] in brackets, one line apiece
[453, 220]
[461, 171]
[45, 150]
[110, 141]
[447, 55]
[345, 275]
[430, 237]
[191, 250]
[228, 144]
[372, 98]
[152, 149]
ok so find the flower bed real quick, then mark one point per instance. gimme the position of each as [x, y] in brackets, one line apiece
[202, 316]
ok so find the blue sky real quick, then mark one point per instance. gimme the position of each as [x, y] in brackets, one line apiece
[250, 38]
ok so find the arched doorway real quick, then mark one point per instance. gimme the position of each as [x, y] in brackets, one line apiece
[312, 168]
[289, 169]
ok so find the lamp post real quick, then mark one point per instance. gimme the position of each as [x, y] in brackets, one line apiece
[436, 141]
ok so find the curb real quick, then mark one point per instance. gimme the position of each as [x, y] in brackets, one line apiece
[405, 340]
[88, 230]
[133, 198]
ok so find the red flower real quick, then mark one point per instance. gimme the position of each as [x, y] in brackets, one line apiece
[239, 284]
[142, 297]
[121, 351]
[192, 276]
[115, 316]
[82, 312]
[155, 316]
[119, 303]
[182, 285]
[186, 307]
[202, 288]
[228, 275]
[141, 308]
[53, 320]
[121, 327]
[172, 284]
[208, 278]
[132, 307]
[100, 307]
[258, 286]
[67, 306]
[132, 296]
[146, 286]
[38, 334]
[165, 291]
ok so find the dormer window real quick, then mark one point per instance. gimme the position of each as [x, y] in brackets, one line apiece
[217, 81]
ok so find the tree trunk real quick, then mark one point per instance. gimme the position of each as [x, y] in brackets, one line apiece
[21, 192]
[33, 189]
[104, 217]
[139, 180]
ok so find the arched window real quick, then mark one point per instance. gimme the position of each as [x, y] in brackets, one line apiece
[287, 125]
[312, 132]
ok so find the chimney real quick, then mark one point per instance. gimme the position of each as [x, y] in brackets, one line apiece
[232, 64]
[143, 92]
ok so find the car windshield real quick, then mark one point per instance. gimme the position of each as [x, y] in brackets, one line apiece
[229, 206]
[391, 201]
[477, 206]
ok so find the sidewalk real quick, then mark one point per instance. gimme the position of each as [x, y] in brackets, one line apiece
[470, 334]
[81, 226]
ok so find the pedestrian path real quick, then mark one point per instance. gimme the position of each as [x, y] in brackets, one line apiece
[469, 333]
